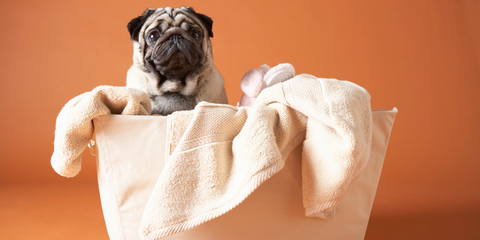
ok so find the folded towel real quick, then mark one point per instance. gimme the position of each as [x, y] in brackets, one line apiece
[219, 154]
[74, 127]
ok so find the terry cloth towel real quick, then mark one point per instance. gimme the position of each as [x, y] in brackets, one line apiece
[219, 154]
[74, 126]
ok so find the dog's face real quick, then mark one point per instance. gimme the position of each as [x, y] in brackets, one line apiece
[172, 53]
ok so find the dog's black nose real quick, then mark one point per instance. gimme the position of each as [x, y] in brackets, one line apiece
[175, 38]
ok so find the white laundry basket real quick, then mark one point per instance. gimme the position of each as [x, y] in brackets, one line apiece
[131, 153]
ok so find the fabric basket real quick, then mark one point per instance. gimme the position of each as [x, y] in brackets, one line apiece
[131, 153]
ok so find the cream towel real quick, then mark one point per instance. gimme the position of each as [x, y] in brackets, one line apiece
[219, 154]
[74, 127]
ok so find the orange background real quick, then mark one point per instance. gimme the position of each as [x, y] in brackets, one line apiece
[422, 57]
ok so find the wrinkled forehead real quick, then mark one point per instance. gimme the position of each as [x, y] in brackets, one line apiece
[170, 17]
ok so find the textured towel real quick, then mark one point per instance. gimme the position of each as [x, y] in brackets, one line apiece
[74, 127]
[219, 154]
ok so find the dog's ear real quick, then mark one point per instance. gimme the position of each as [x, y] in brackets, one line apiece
[206, 20]
[136, 24]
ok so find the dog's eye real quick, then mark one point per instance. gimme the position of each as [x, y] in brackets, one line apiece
[196, 34]
[153, 36]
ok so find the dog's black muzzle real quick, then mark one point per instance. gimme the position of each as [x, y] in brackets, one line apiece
[175, 55]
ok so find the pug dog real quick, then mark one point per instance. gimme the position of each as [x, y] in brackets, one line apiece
[172, 59]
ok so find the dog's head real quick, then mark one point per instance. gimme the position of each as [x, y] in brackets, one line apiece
[172, 46]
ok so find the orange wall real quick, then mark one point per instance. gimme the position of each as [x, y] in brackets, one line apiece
[422, 57]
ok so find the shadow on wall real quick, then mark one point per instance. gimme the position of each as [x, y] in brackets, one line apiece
[448, 223]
